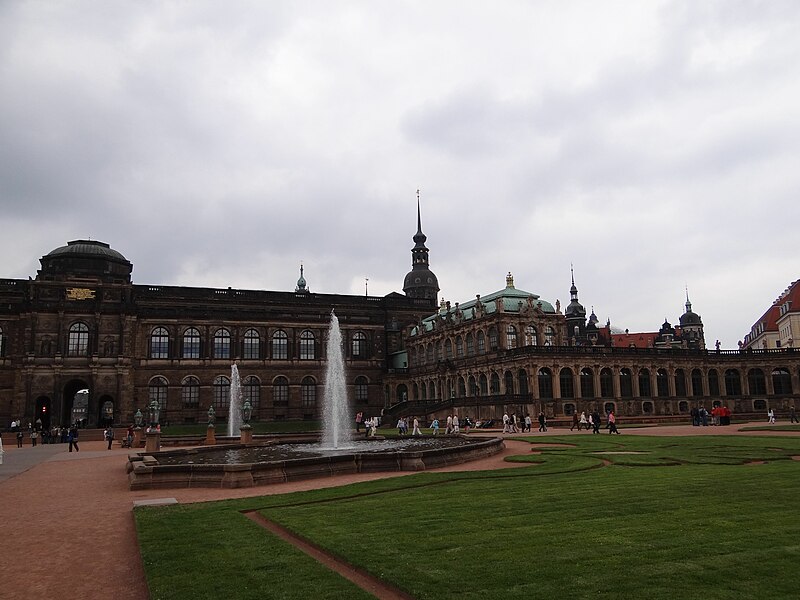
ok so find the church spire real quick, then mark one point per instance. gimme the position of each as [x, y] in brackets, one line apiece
[420, 282]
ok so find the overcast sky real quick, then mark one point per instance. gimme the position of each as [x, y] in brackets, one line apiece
[654, 145]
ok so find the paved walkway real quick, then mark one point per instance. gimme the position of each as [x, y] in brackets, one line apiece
[68, 518]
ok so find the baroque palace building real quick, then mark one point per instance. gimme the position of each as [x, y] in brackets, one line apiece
[81, 324]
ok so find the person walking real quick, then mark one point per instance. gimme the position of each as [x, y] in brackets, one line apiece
[583, 422]
[542, 421]
[612, 423]
[416, 430]
[34, 437]
[435, 426]
[770, 417]
[72, 438]
[596, 422]
[793, 415]
[20, 437]
[110, 436]
[575, 422]
[528, 422]
[359, 418]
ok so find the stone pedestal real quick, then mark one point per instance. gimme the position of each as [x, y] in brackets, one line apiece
[211, 438]
[153, 443]
[247, 434]
[137, 437]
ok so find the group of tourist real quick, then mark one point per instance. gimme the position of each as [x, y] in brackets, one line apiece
[51, 435]
[402, 426]
[719, 415]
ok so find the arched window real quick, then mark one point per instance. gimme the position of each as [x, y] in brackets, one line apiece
[781, 381]
[402, 393]
[545, 383]
[567, 383]
[157, 390]
[78, 340]
[587, 383]
[509, 382]
[757, 381]
[190, 391]
[251, 391]
[222, 392]
[531, 336]
[307, 343]
[359, 345]
[424, 389]
[606, 383]
[644, 384]
[280, 345]
[439, 351]
[361, 390]
[191, 343]
[549, 336]
[733, 383]
[511, 337]
[473, 386]
[462, 388]
[495, 384]
[448, 349]
[459, 347]
[280, 391]
[429, 354]
[159, 343]
[484, 383]
[222, 343]
[481, 343]
[251, 349]
[493, 341]
[3, 343]
[680, 383]
[713, 383]
[625, 383]
[697, 383]
[308, 392]
[662, 385]
[432, 391]
[522, 381]
[470, 345]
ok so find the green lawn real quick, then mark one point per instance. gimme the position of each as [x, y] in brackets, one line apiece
[688, 517]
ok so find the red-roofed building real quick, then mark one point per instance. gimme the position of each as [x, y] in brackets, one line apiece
[779, 326]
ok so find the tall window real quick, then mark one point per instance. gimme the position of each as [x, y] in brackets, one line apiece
[662, 384]
[493, 341]
[531, 336]
[756, 381]
[713, 383]
[448, 349]
[545, 383]
[190, 391]
[495, 384]
[481, 343]
[361, 390]
[462, 388]
[429, 354]
[251, 391]
[222, 392]
[307, 345]
[470, 345]
[587, 383]
[222, 343]
[359, 345]
[549, 336]
[522, 381]
[781, 381]
[511, 337]
[697, 382]
[508, 379]
[280, 345]
[191, 343]
[78, 341]
[644, 384]
[2, 343]
[606, 384]
[473, 386]
[157, 390]
[733, 383]
[484, 384]
[567, 383]
[159, 343]
[625, 383]
[252, 345]
[680, 383]
[280, 391]
[308, 392]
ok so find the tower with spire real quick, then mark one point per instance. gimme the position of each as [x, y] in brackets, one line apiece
[692, 327]
[420, 282]
[575, 315]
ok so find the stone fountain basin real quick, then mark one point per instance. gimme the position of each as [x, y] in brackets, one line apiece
[240, 465]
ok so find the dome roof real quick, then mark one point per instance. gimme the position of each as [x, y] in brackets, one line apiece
[87, 248]
[690, 318]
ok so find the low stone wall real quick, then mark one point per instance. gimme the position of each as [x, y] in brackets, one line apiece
[145, 472]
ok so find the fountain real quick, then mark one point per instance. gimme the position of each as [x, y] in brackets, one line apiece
[336, 411]
[235, 406]
[289, 459]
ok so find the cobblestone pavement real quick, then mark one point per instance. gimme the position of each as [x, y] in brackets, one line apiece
[68, 519]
